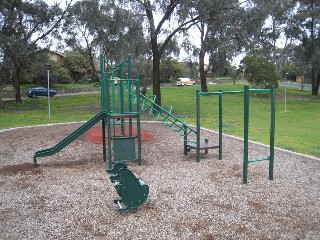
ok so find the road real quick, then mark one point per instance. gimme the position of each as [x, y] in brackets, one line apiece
[307, 87]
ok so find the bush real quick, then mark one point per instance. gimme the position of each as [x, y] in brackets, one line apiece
[259, 72]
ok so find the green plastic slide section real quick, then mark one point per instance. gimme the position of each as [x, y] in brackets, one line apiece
[69, 139]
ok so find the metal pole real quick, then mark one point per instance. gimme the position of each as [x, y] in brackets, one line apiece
[48, 65]
[245, 135]
[272, 132]
[220, 125]
[285, 91]
[49, 93]
[198, 125]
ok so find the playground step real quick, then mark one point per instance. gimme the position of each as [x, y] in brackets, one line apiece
[203, 146]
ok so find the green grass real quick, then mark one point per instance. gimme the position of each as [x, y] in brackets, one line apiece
[296, 130]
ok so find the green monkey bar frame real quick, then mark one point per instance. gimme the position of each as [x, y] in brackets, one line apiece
[197, 145]
[270, 158]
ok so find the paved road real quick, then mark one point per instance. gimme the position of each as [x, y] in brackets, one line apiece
[307, 87]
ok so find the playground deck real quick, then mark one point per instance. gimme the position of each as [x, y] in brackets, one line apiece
[70, 197]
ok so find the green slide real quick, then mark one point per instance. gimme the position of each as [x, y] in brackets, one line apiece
[69, 139]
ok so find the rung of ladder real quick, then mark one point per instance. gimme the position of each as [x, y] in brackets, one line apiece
[259, 160]
[164, 113]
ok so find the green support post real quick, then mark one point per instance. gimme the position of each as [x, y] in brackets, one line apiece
[272, 132]
[198, 126]
[138, 122]
[245, 134]
[220, 125]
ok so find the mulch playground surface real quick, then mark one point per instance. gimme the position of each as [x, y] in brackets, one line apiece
[94, 134]
[70, 195]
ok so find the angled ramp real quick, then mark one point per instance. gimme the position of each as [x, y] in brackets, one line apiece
[69, 139]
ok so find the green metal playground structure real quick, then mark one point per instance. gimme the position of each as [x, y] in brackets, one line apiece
[116, 107]
[246, 93]
[121, 103]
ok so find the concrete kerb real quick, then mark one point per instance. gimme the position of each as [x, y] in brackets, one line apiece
[226, 135]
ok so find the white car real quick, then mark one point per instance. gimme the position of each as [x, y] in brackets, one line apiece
[185, 82]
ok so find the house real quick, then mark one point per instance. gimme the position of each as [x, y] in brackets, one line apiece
[57, 57]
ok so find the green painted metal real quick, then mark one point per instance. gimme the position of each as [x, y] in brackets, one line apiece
[246, 114]
[198, 125]
[121, 111]
[69, 139]
[132, 190]
[270, 158]
[206, 146]
[272, 131]
[245, 134]
[124, 149]
[220, 126]
[112, 107]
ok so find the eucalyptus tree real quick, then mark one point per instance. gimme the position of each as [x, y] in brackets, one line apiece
[163, 21]
[307, 30]
[79, 36]
[219, 32]
[96, 26]
[23, 26]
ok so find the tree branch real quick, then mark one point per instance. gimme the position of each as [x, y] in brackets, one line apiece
[184, 26]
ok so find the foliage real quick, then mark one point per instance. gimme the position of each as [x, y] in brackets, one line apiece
[292, 71]
[170, 69]
[306, 28]
[23, 25]
[259, 72]
[77, 65]
[103, 27]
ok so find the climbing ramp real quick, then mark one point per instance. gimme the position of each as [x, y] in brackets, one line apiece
[179, 124]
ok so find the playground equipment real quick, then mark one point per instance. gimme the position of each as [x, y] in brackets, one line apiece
[121, 102]
[115, 109]
[117, 101]
[270, 158]
[197, 145]
[132, 190]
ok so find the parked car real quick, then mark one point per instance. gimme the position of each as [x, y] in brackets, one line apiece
[40, 91]
[185, 82]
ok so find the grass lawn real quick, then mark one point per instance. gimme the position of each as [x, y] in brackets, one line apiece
[297, 129]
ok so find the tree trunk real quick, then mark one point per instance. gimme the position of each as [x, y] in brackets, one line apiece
[16, 86]
[156, 76]
[315, 83]
[203, 79]
[1, 104]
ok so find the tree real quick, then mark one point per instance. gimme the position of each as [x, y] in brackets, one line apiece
[170, 69]
[95, 26]
[220, 33]
[260, 72]
[308, 17]
[77, 64]
[24, 25]
[159, 15]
